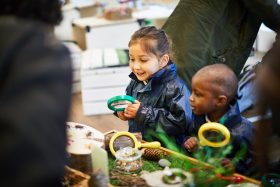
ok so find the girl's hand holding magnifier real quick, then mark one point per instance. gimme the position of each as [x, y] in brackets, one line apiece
[122, 116]
[120, 103]
[131, 110]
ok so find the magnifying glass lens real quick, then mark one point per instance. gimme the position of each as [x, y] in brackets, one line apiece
[120, 104]
[213, 136]
[122, 142]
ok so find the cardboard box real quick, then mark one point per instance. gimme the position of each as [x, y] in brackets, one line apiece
[155, 13]
[118, 13]
[64, 31]
[88, 10]
[96, 32]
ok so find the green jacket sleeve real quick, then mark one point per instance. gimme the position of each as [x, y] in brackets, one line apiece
[266, 10]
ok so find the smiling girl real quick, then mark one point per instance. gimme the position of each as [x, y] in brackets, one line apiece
[161, 96]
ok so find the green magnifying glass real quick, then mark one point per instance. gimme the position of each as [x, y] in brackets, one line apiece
[120, 102]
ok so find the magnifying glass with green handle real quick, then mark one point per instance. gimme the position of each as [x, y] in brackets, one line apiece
[120, 102]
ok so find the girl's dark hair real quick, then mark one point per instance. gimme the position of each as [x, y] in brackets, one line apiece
[47, 11]
[153, 40]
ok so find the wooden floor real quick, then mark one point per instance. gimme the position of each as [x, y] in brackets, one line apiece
[103, 123]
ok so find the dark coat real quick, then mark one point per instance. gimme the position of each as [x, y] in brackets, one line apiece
[205, 32]
[35, 95]
[164, 103]
[241, 132]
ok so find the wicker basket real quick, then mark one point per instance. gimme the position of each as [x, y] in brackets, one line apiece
[75, 178]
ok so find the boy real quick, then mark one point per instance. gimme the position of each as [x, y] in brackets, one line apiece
[212, 100]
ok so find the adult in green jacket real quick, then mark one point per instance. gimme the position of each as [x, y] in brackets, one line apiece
[217, 31]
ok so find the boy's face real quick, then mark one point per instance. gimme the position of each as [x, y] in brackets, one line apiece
[202, 99]
[142, 64]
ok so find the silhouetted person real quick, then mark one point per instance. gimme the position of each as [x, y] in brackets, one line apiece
[268, 90]
[35, 92]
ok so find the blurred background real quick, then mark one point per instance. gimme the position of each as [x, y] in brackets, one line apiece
[97, 33]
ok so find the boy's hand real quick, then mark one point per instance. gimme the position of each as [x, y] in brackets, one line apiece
[191, 144]
[121, 116]
[226, 163]
[131, 109]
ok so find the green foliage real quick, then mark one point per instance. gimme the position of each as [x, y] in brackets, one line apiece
[213, 156]
[150, 165]
[159, 134]
[204, 176]
[153, 165]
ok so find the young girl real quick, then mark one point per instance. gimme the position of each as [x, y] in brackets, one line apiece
[161, 96]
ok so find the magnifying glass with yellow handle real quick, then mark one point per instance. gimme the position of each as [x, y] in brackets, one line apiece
[126, 139]
[214, 128]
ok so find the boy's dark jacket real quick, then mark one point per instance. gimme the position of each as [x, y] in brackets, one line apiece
[164, 103]
[241, 132]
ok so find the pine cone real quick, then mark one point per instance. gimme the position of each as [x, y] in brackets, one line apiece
[152, 154]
